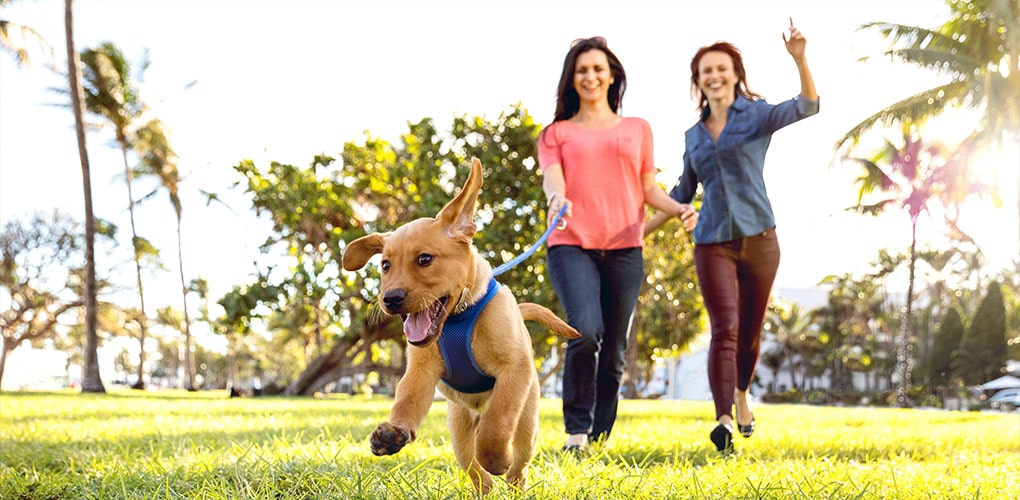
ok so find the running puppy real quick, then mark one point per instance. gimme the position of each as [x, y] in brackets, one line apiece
[465, 330]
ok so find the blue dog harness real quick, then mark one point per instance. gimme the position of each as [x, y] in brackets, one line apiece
[462, 373]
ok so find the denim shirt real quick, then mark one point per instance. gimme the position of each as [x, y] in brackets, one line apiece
[730, 170]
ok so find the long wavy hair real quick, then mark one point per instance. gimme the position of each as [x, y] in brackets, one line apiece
[741, 87]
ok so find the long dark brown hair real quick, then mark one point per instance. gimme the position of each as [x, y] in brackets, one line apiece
[567, 100]
[738, 67]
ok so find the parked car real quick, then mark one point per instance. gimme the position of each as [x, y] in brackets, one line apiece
[1006, 400]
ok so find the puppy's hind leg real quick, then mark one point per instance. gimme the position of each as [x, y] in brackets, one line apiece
[463, 424]
[525, 440]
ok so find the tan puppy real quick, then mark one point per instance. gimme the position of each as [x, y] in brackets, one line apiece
[432, 273]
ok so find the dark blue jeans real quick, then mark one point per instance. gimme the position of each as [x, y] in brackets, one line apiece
[598, 290]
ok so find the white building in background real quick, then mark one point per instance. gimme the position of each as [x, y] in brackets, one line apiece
[38, 369]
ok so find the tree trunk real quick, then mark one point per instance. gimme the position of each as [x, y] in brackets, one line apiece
[317, 375]
[231, 361]
[543, 378]
[143, 322]
[793, 371]
[4, 351]
[140, 383]
[904, 354]
[91, 379]
[189, 358]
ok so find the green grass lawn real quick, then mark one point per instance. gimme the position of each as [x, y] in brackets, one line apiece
[133, 444]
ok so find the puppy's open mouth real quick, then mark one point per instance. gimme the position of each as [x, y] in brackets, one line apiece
[422, 327]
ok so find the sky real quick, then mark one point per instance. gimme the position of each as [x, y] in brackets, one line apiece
[283, 81]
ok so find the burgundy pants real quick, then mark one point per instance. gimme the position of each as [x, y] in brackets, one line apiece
[736, 279]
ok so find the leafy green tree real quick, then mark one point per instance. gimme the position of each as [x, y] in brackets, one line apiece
[670, 313]
[241, 307]
[35, 280]
[947, 341]
[377, 186]
[852, 317]
[173, 319]
[1010, 280]
[786, 323]
[91, 379]
[915, 177]
[952, 273]
[982, 352]
[977, 52]
[310, 212]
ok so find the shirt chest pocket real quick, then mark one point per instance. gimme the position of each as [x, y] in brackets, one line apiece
[629, 148]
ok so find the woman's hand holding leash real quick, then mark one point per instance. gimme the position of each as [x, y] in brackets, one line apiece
[556, 202]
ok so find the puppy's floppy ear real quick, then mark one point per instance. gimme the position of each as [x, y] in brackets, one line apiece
[360, 250]
[458, 216]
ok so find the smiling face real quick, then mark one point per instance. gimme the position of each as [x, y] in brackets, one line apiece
[427, 264]
[592, 76]
[423, 275]
[717, 79]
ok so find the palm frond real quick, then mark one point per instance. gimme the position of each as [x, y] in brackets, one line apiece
[952, 62]
[926, 48]
[17, 39]
[872, 178]
[957, 234]
[1002, 116]
[148, 196]
[211, 198]
[873, 209]
[914, 109]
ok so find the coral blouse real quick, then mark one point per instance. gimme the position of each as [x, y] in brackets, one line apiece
[602, 170]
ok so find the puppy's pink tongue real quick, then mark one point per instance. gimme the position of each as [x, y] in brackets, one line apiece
[417, 326]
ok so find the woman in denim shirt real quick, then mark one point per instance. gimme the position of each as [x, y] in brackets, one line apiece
[736, 252]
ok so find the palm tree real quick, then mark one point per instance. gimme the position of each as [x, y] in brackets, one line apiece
[977, 50]
[852, 316]
[18, 39]
[111, 94]
[789, 323]
[91, 380]
[158, 160]
[915, 177]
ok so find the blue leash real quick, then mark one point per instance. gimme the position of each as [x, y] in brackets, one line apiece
[527, 253]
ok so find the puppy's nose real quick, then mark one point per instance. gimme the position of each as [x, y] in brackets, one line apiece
[393, 299]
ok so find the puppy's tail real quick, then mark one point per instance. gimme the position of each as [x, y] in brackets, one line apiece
[542, 314]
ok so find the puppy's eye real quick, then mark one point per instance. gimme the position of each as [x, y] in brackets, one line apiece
[385, 265]
[424, 260]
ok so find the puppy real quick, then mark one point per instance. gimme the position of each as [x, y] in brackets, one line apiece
[465, 330]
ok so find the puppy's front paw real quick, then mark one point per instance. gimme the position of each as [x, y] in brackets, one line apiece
[388, 439]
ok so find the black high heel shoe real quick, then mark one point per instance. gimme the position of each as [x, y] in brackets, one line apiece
[722, 438]
[745, 430]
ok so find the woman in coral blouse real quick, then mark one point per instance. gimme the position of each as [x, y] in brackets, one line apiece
[599, 165]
